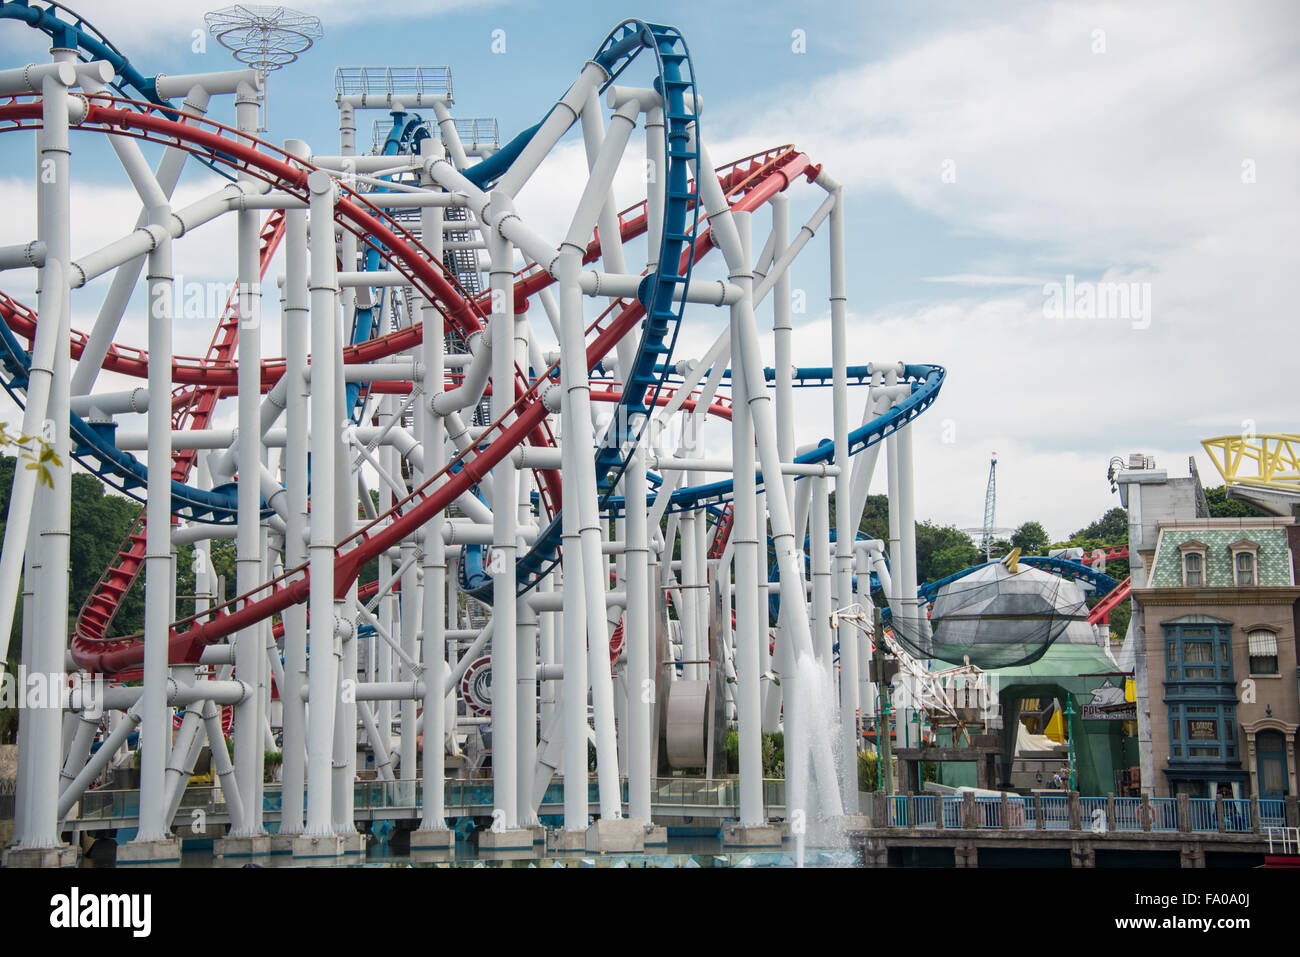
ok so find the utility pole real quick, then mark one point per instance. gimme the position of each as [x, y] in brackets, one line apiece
[885, 772]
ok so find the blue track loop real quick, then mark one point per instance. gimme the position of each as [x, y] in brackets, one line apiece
[363, 318]
[659, 292]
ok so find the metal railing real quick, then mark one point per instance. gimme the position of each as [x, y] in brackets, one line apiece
[1164, 814]
[1094, 817]
[1020, 812]
[1128, 814]
[1272, 812]
[720, 798]
[924, 810]
[462, 798]
[988, 811]
[1237, 816]
[1056, 812]
[1204, 814]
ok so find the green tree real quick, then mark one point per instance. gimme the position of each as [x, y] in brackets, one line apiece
[1223, 507]
[1031, 538]
[1110, 529]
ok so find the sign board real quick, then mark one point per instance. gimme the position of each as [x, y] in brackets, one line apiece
[1108, 704]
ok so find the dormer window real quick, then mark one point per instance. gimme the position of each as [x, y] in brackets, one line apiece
[1194, 555]
[1245, 563]
[1245, 566]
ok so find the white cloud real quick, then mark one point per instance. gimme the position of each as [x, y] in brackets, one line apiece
[176, 19]
[1123, 166]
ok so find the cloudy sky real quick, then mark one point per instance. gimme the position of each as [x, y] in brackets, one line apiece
[993, 153]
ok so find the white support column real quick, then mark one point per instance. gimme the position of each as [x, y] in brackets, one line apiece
[787, 552]
[819, 544]
[636, 633]
[580, 472]
[505, 753]
[745, 539]
[250, 655]
[845, 518]
[323, 671]
[48, 510]
[156, 736]
[433, 610]
[296, 334]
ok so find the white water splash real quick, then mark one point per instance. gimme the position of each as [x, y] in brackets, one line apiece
[810, 746]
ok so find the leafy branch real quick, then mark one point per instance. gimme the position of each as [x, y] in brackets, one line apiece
[35, 451]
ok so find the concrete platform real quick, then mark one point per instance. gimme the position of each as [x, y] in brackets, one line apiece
[433, 839]
[656, 836]
[64, 855]
[282, 843]
[354, 842]
[560, 839]
[509, 838]
[165, 851]
[255, 846]
[325, 845]
[617, 836]
[752, 835]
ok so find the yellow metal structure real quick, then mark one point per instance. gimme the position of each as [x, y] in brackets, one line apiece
[1269, 459]
[1055, 729]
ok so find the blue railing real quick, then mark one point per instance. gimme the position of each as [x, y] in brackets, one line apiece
[1272, 812]
[952, 811]
[898, 811]
[1094, 814]
[989, 811]
[1020, 813]
[924, 810]
[1204, 814]
[1236, 816]
[1056, 812]
[1164, 814]
[1128, 814]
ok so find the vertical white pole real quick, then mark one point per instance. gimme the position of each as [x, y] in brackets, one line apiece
[573, 378]
[434, 608]
[820, 544]
[745, 539]
[505, 755]
[297, 323]
[50, 508]
[323, 668]
[526, 647]
[845, 517]
[250, 653]
[636, 632]
[580, 471]
[760, 403]
[159, 565]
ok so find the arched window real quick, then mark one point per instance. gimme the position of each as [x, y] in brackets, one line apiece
[1245, 568]
[1263, 651]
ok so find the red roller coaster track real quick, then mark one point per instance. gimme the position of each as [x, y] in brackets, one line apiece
[748, 183]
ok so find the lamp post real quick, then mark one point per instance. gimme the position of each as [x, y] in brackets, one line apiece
[1069, 719]
[917, 717]
[884, 712]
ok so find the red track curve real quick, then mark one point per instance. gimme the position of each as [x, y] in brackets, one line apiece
[224, 145]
